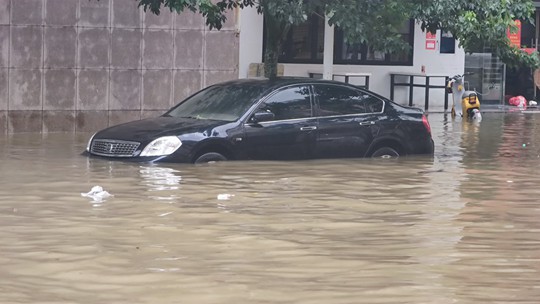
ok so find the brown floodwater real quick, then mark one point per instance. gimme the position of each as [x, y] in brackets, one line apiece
[460, 227]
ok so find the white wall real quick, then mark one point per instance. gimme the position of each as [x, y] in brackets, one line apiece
[251, 28]
[251, 39]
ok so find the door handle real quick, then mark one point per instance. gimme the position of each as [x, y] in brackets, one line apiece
[311, 128]
[367, 123]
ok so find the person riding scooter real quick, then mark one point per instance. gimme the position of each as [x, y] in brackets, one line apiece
[464, 103]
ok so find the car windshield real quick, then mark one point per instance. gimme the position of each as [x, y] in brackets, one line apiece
[220, 102]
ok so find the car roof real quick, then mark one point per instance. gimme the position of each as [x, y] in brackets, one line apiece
[273, 83]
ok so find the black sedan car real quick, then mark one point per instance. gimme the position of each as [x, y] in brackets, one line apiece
[277, 119]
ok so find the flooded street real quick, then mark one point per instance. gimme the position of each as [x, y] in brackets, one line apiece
[461, 227]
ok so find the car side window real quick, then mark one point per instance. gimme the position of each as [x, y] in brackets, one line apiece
[373, 104]
[290, 103]
[340, 100]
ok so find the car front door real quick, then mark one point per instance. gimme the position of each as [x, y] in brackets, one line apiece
[289, 129]
[347, 120]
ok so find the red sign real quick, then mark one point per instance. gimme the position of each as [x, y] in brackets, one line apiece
[431, 44]
[431, 41]
[515, 38]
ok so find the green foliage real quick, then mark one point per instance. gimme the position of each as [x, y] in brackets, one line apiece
[374, 22]
[212, 11]
[477, 24]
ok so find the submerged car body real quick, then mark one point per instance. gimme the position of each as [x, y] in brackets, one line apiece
[278, 119]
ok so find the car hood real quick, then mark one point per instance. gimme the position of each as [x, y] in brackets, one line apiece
[151, 128]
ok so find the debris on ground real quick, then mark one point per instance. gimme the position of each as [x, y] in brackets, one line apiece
[97, 194]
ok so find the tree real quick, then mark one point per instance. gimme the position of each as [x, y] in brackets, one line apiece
[376, 22]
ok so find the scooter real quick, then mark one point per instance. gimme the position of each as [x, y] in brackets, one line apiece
[465, 103]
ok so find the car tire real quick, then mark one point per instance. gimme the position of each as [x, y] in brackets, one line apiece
[385, 152]
[210, 157]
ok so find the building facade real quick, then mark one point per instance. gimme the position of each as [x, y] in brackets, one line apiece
[431, 54]
[81, 65]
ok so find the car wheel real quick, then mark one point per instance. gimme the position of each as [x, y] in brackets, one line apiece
[210, 157]
[385, 152]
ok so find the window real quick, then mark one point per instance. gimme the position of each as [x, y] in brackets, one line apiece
[305, 44]
[339, 100]
[448, 43]
[219, 102]
[290, 103]
[373, 104]
[305, 41]
[347, 53]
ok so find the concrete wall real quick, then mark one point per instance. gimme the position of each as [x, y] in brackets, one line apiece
[81, 65]
[433, 61]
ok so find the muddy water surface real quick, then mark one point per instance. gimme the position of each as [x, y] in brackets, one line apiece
[461, 227]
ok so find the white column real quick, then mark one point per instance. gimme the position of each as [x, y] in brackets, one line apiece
[328, 59]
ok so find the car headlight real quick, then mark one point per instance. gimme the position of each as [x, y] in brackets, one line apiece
[89, 144]
[162, 146]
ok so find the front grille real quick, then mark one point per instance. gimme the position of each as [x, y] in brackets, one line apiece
[114, 148]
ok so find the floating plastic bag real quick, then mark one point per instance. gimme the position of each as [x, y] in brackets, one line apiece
[97, 194]
[224, 196]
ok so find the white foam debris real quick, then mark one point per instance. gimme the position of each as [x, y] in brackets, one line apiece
[224, 196]
[97, 194]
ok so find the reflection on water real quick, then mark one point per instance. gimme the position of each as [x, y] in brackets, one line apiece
[461, 227]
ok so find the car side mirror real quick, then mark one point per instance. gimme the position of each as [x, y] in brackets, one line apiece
[262, 116]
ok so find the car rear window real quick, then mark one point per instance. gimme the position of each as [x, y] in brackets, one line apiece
[337, 100]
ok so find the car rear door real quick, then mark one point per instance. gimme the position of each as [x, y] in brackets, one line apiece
[290, 134]
[347, 120]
